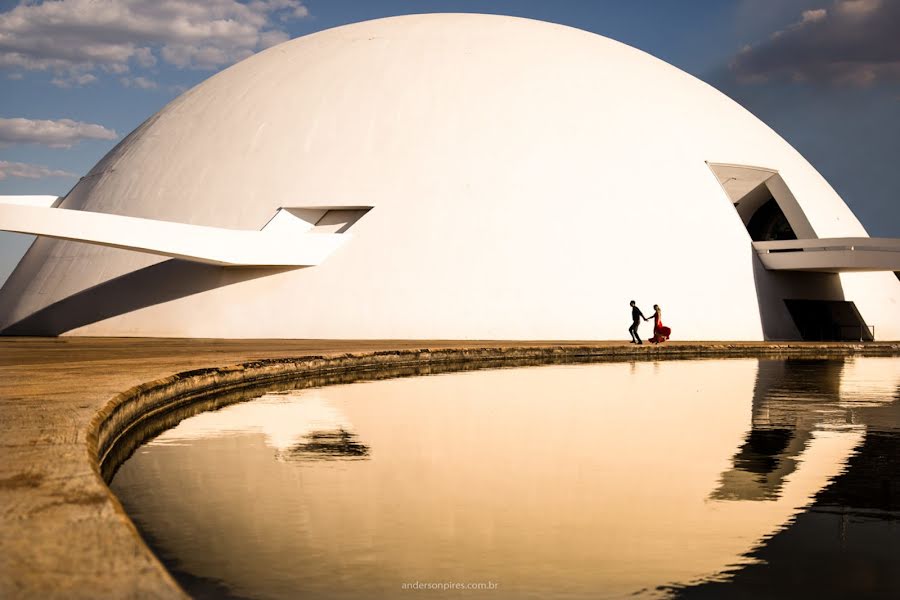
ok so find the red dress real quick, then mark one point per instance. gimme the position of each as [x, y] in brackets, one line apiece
[660, 332]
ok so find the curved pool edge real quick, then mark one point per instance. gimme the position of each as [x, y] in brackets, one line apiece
[67, 534]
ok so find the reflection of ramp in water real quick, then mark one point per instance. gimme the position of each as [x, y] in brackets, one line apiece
[338, 444]
[299, 426]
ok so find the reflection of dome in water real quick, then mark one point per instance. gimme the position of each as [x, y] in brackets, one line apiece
[526, 180]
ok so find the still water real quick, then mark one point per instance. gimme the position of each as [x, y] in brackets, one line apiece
[714, 478]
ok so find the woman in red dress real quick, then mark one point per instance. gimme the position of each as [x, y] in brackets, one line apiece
[660, 332]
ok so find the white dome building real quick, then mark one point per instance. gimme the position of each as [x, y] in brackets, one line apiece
[450, 176]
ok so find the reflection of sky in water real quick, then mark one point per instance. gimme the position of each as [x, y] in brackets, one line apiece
[587, 481]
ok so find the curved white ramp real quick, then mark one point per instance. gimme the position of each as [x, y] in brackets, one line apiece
[831, 255]
[294, 237]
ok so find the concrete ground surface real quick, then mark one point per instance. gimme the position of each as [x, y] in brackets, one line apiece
[62, 533]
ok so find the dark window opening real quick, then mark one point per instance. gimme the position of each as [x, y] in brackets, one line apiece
[768, 224]
[829, 320]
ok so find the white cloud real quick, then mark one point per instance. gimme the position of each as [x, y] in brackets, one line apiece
[74, 80]
[29, 171]
[61, 133]
[81, 36]
[138, 82]
[852, 42]
[859, 7]
[811, 16]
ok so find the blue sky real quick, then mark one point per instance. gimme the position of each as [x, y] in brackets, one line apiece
[78, 75]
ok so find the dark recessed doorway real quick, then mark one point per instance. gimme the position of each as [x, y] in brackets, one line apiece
[829, 320]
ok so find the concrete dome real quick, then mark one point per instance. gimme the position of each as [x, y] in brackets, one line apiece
[527, 180]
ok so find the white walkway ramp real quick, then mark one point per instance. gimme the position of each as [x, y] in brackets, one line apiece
[830, 255]
[294, 237]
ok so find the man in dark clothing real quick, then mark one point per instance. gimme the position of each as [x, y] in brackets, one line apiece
[636, 316]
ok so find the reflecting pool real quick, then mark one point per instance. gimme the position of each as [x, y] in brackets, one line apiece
[703, 478]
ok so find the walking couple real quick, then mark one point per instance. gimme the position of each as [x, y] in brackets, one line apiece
[660, 332]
